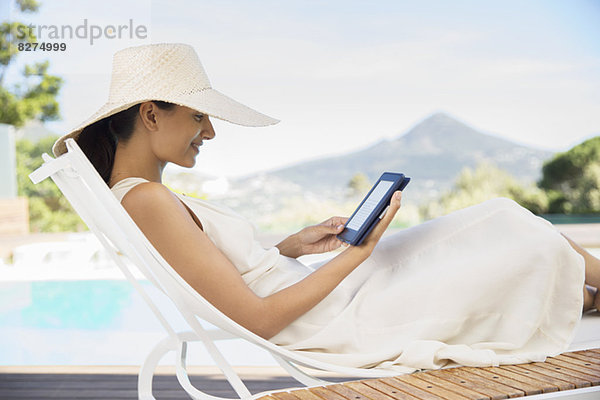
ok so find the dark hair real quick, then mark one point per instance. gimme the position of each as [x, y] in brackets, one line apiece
[99, 140]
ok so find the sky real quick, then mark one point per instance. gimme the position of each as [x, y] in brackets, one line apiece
[343, 75]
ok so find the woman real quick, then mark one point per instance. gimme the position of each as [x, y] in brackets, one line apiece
[491, 284]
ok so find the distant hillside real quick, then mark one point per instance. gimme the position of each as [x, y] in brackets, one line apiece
[432, 153]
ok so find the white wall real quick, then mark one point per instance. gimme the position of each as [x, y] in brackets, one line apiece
[8, 162]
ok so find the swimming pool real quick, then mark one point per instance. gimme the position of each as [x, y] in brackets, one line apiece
[93, 322]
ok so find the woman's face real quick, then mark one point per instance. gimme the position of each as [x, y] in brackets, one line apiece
[179, 134]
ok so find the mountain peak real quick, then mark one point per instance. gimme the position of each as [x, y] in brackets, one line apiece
[438, 133]
[440, 115]
[439, 124]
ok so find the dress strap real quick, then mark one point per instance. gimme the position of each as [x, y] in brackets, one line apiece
[121, 188]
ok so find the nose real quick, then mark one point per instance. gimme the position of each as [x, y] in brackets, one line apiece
[208, 132]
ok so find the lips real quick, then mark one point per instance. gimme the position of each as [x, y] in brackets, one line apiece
[196, 146]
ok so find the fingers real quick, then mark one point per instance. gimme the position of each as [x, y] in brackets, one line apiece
[334, 229]
[321, 230]
[394, 206]
[395, 203]
[382, 225]
[334, 221]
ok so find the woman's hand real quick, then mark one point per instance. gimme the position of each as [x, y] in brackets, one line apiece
[314, 239]
[375, 235]
[321, 238]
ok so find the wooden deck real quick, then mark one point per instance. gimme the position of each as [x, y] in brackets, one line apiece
[100, 383]
[579, 369]
[43, 386]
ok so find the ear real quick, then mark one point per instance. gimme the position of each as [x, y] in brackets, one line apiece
[148, 115]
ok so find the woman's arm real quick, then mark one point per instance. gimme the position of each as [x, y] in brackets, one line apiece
[170, 228]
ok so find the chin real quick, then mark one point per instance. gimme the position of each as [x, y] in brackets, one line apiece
[186, 164]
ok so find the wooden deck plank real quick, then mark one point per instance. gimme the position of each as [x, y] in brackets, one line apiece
[410, 389]
[571, 366]
[326, 393]
[479, 385]
[558, 384]
[525, 387]
[542, 385]
[347, 392]
[587, 353]
[582, 364]
[470, 394]
[304, 394]
[438, 390]
[374, 389]
[584, 357]
[284, 396]
[499, 387]
[579, 379]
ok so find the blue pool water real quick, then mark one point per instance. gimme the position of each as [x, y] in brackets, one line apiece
[95, 322]
[86, 305]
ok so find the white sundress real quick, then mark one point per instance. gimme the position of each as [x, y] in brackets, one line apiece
[487, 285]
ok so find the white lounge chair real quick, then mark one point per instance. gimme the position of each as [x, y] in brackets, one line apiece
[107, 219]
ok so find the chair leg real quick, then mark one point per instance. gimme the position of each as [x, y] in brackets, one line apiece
[200, 334]
[147, 371]
[179, 346]
[186, 384]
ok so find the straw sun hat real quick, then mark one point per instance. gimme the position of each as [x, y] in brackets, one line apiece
[168, 72]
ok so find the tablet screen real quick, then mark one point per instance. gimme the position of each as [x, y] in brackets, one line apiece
[369, 205]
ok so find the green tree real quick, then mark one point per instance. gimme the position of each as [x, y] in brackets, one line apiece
[12, 33]
[35, 97]
[49, 211]
[485, 182]
[572, 179]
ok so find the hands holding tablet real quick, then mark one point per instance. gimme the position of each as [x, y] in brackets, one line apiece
[363, 229]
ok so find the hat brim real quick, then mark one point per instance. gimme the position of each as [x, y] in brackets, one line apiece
[207, 101]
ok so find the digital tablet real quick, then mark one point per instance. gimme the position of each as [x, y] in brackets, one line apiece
[372, 208]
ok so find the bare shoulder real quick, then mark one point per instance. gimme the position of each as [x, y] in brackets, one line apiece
[152, 203]
[148, 193]
[165, 221]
